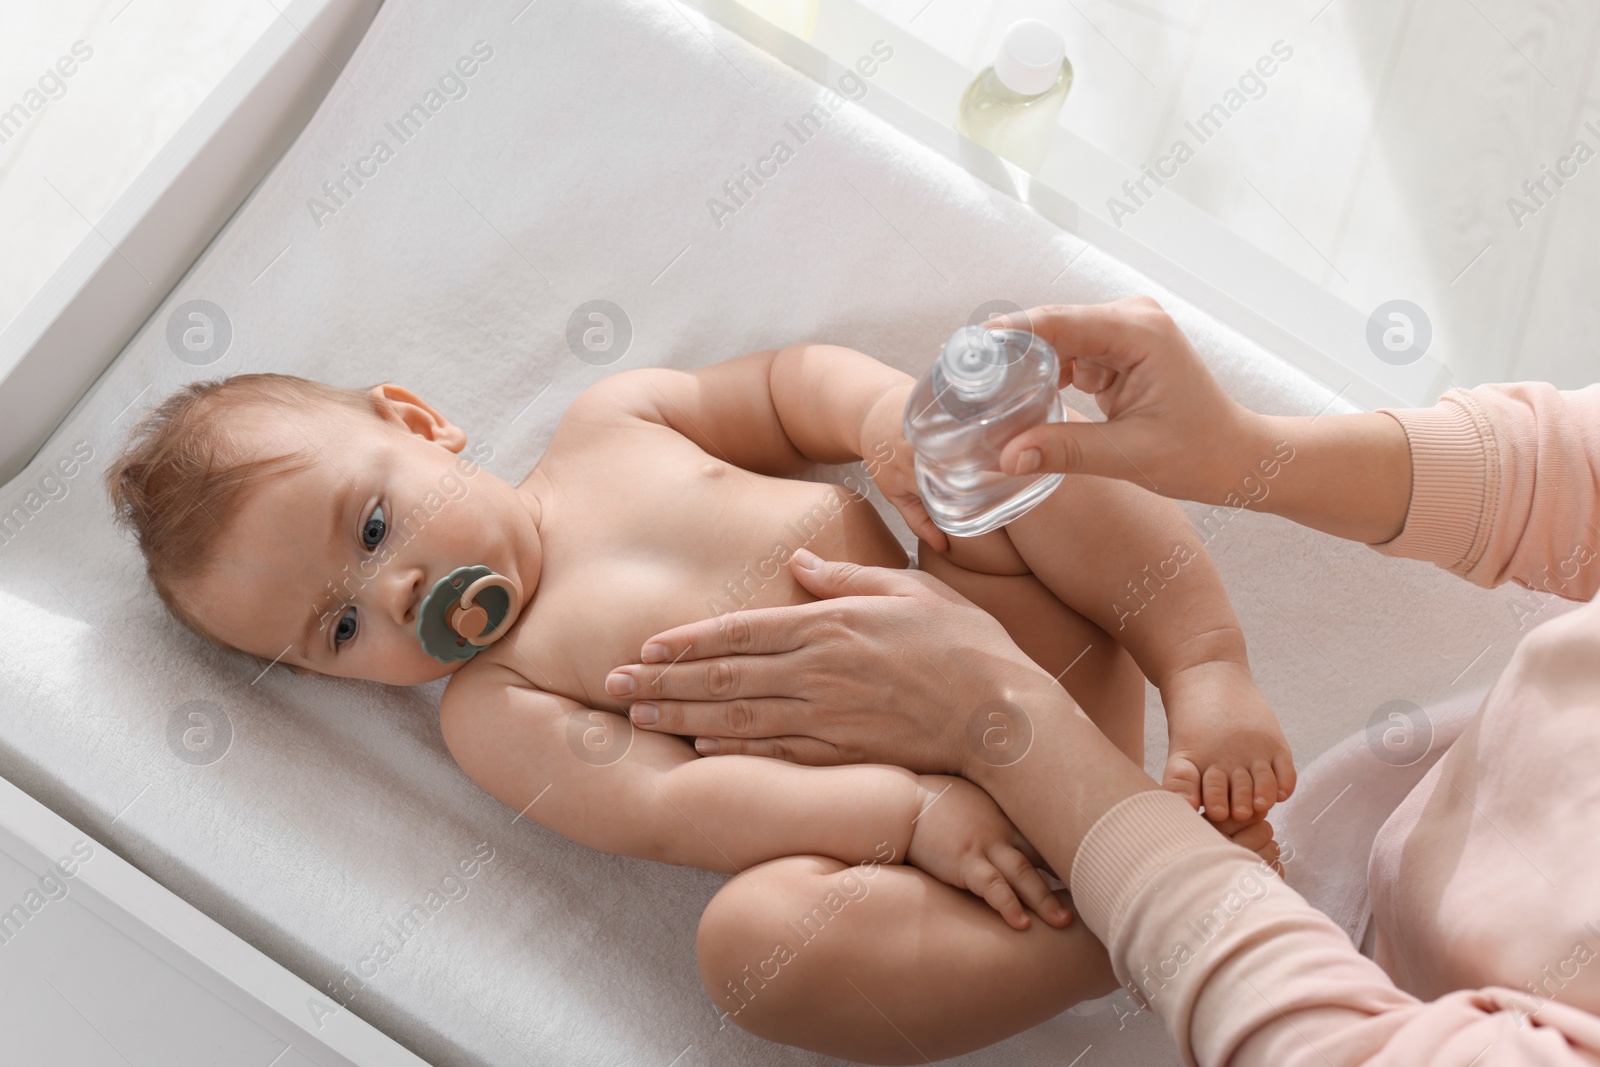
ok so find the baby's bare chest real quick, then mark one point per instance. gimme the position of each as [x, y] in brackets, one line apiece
[674, 538]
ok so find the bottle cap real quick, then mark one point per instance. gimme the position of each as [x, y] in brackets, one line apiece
[974, 360]
[1029, 61]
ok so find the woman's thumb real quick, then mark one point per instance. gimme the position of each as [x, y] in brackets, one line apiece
[829, 578]
[1066, 447]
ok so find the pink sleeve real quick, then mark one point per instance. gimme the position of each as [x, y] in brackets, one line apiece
[1506, 485]
[1244, 972]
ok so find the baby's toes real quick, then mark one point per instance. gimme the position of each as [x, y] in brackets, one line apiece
[1183, 778]
[1244, 793]
[1214, 789]
[1266, 786]
[1258, 839]
[1283, 771]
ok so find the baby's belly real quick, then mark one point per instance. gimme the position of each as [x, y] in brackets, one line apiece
[822, 518]
[595, 609]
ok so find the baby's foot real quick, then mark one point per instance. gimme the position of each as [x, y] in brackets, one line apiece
[1255, 835]
[1226, 751]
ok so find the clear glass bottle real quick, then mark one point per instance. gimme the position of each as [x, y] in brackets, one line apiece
[986, 387]
[1011, 107]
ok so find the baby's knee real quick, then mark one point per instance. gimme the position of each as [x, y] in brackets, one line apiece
[747, 964]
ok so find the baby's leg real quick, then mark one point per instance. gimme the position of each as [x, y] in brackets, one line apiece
[884, 963]
[1088, 663]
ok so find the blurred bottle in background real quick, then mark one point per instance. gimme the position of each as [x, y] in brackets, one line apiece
[798, 17]
[1011, 107]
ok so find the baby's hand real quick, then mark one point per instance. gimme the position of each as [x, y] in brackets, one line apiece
[891, 461]
[963, 838]
[1225, 748]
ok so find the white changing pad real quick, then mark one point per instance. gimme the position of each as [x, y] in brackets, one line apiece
[578, 165]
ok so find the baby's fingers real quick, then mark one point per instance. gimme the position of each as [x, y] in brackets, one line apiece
[1023, 875]
[922, 524]
[986, 881]
[1031, 854]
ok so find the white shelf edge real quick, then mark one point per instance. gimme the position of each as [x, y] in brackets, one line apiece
[194, 944]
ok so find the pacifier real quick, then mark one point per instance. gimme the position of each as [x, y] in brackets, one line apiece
[466, 611]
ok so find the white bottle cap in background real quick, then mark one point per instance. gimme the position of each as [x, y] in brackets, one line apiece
[1030, 57]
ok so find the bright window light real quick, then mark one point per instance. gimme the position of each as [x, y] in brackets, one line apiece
[90, 91]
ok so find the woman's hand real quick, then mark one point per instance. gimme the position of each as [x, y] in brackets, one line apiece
[891, 461]
[962, 838]
[1169, 425]
[896, 668]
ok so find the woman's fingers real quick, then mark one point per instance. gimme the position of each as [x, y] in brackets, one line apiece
[1115, 335]
[767, 631]
[837, 669]
[715, 678]
[755, 631]
[1090, 377]
[735, 717]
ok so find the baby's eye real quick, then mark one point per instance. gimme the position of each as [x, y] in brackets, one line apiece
[345, 629]
[372, 533]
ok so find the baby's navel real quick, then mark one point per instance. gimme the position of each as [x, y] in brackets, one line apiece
[713, 469]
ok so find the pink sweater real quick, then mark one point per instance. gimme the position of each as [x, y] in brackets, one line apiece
[1485, 882]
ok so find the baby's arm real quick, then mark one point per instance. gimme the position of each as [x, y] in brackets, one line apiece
[657, 800]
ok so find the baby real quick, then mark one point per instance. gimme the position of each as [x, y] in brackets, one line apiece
[304, 524]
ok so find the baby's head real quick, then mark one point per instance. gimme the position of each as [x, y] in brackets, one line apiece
[303, 523]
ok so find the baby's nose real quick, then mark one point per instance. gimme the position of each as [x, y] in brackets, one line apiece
[404, 595]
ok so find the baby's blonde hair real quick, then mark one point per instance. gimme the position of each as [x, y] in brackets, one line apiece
[183, 476]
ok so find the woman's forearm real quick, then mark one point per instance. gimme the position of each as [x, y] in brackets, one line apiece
[1347, 475]
[1068, 776]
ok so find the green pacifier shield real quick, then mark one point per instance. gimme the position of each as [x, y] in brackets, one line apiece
[438, 639]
